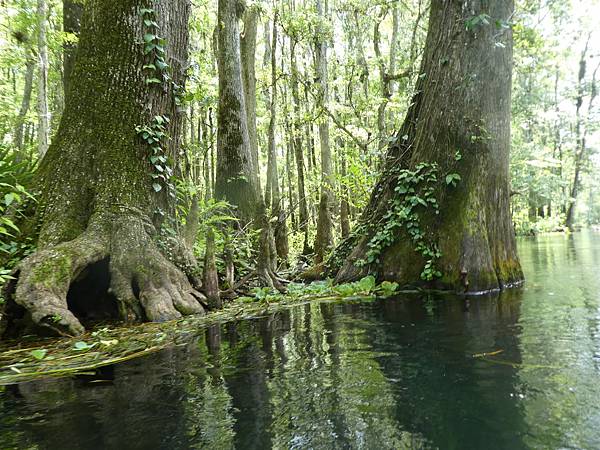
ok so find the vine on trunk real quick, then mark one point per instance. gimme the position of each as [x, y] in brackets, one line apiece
[154, 133]
[415, 196]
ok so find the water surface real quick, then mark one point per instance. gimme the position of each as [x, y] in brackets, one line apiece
[407, 372]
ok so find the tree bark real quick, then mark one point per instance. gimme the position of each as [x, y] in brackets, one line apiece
[458, 124]
[72, 14]
[42, 79]
[99, 213]
[236, 179]
[581, 132]
[298, 149]
[324, 238]
[25, 103]
[273, 192]
[248, 55]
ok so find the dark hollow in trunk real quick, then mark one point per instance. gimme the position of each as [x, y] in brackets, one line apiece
[89, 296]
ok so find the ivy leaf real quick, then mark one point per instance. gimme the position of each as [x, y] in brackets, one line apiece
[161, 64]
[452, 178]
[39, 354]
[152, 81]
[81, 346]
[157, 187]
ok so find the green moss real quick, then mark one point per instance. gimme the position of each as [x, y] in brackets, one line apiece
[54, 271]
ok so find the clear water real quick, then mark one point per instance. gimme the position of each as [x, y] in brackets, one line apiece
[396, 373]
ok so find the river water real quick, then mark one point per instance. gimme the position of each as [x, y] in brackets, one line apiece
[510, 371]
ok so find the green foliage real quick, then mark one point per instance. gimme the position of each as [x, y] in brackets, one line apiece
[388, 288]
[83, 346]
[39, 353]
[15, 175]
[452, 178]
[415, 197]
[365, 287]
[477, 21]
[154, 135]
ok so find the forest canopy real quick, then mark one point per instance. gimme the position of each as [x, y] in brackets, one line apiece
[158, 159]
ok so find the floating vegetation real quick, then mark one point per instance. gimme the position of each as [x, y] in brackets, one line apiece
[26, 360]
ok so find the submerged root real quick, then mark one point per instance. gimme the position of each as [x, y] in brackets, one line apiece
[145, 284]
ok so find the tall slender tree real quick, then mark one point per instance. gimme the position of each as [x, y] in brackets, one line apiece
[43, 129]
[324, 238]
[236, 179]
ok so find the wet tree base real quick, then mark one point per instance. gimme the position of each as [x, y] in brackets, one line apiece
[111, 269]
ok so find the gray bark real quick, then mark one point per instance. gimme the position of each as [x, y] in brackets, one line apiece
[25, 103]
[42, 79]
[324, 238]
[248, 56]
[473, 230]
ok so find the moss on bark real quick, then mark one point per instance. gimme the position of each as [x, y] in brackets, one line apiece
[96, 199]
[459, 120]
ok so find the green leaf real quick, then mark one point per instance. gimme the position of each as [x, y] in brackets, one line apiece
[366, 284]
[10, 223]
[39, 354]
[8, 198]
[161, 64]
[388, 288]
[81, 346]
[149, 37]
[157, 187]
[452, 178]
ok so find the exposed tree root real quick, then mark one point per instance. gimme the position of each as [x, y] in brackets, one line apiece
[144, 282]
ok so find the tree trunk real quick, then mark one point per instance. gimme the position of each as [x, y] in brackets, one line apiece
[236, 178]
[273, 192]
[72, 14]
[210, 277]
[248, 55]
[452, 151]
[298, 150]
[324, 238]
[581, 131]
[25, 102]
[42, 85]
[102, 197]
[344, 206]
[386, 74]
